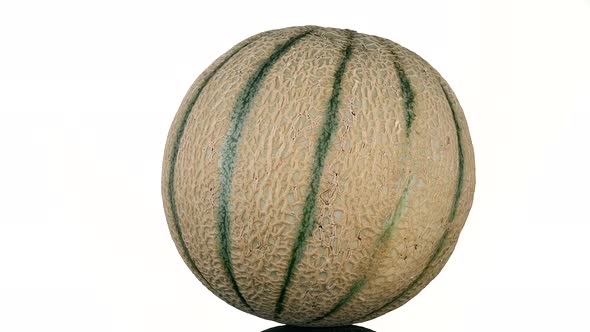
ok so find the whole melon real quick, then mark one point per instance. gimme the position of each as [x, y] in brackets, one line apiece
[317, 176]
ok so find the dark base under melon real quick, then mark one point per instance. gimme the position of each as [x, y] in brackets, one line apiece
[289, 328]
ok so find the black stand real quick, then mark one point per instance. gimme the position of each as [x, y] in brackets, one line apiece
[289, 328]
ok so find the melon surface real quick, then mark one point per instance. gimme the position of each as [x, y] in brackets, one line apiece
[317, 176]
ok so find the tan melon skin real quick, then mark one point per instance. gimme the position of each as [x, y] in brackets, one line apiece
[370, 161]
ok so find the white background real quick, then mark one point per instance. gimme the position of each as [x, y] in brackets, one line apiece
[88, 91]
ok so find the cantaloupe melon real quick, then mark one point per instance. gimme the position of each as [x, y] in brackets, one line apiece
[318, 176]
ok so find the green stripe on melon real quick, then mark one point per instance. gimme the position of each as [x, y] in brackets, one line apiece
[382, 242]
[175, 148]
[307, 221]
[441, 243]
[228, 154]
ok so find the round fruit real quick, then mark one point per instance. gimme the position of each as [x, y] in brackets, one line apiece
[318, 176]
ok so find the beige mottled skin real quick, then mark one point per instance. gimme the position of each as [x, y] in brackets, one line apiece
[368, 165]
